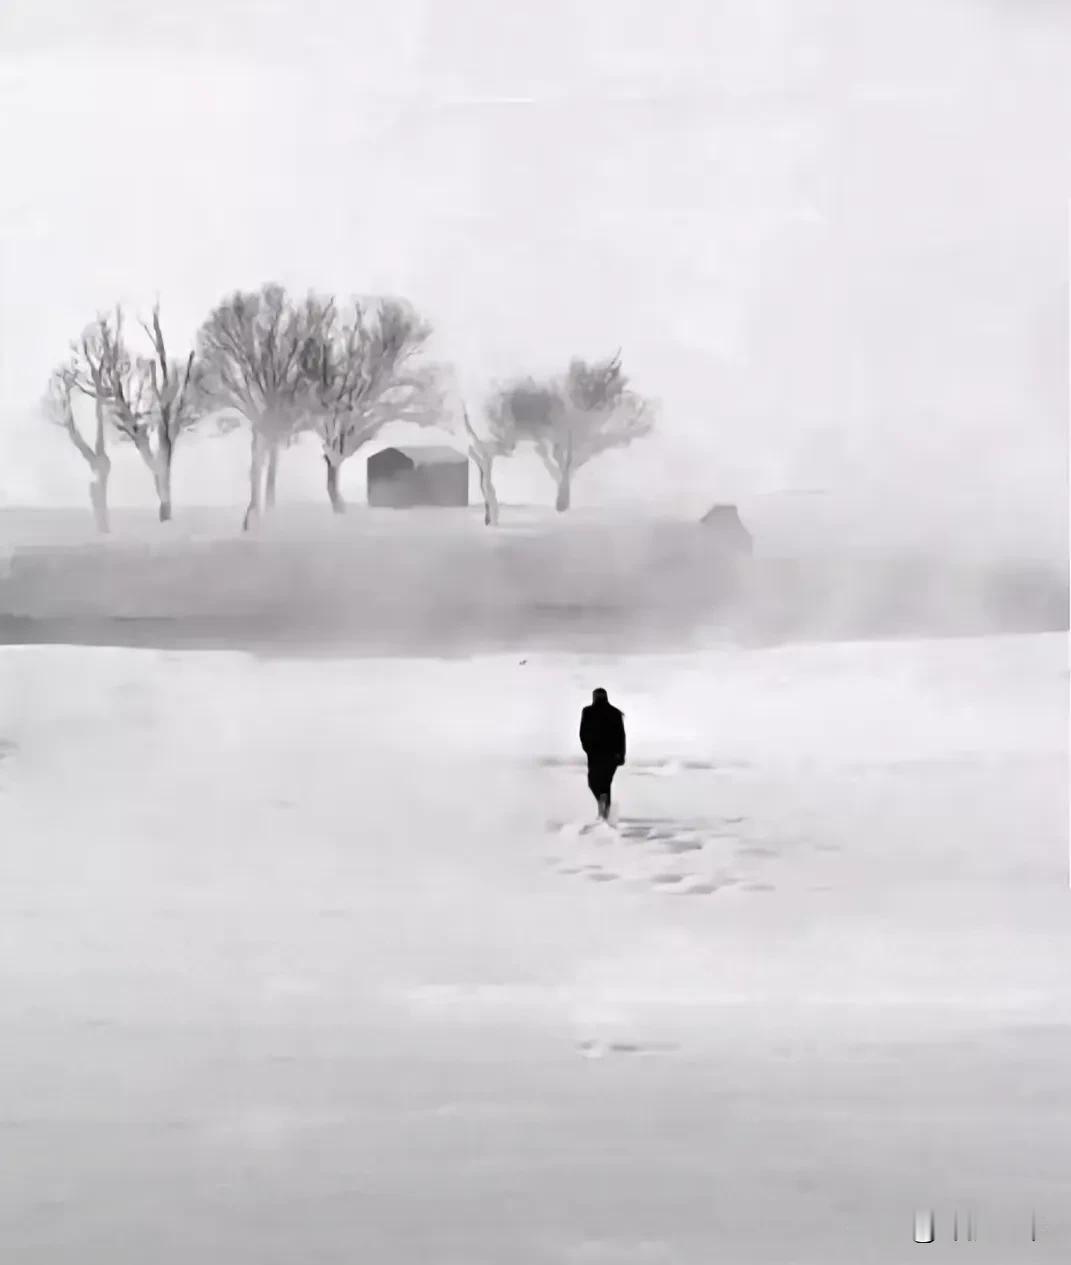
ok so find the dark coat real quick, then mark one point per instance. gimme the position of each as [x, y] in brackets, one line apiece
[602, 734]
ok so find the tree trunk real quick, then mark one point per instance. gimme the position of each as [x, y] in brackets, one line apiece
[485, 468]
[562, 502]
[98, 491]
[165, 457]
[159, 465]
[273, 467]
[163, 480]
[334, 495]
[257, 461]
[101, 465]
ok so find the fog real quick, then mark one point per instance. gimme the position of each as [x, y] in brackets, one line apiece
[312, 947]
[830, 238]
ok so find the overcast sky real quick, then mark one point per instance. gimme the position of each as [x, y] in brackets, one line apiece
[831, 236]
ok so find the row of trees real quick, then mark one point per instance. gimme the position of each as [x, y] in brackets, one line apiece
[341, 371]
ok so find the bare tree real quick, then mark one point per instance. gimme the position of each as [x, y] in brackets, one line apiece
[497, 438]
[525, 411]
[175, 404]
[108, 374]
[100, 368]
[253, 348]
[59, 409]
[572, 419]
[362, 372]
[149, 400]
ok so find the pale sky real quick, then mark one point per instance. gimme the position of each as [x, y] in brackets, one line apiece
[830, 236]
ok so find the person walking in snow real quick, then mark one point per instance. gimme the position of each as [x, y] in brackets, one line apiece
[602, 736]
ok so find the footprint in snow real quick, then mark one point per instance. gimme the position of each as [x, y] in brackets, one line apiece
[756, 850]
[700, 889]
[682, 845]
[603, 1049]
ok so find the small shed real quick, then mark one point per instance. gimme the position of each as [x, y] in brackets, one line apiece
[729, 535]
[399, 478]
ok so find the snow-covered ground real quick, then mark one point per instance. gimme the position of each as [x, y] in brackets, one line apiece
[310, 961]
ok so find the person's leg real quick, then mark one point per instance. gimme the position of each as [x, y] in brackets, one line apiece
[610, 771]
[598, 785]
[593, 782]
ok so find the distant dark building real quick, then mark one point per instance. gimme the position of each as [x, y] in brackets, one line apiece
[729, 534]
[399, 478]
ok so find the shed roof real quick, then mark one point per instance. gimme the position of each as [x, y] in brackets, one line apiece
[426, 454]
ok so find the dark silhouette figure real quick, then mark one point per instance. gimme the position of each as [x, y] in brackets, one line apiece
[602, 735]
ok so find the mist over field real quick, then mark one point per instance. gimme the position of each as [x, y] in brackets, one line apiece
[830, 238]
[433, 582]
[312, 945]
